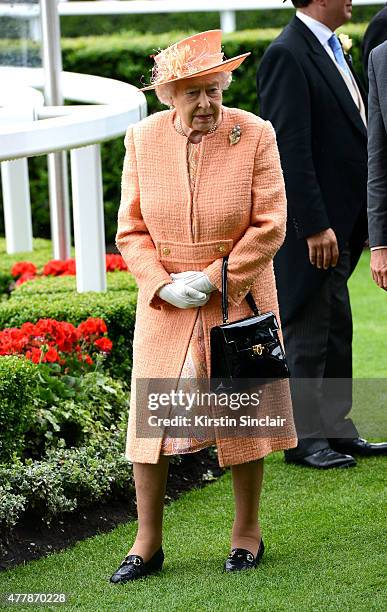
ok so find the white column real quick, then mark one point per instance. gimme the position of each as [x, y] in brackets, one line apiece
[58, 194]
[88, 215]
[228, 21]
[17, 205]
[35, 29]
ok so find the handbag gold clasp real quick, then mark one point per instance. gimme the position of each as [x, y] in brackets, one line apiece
[258, 349]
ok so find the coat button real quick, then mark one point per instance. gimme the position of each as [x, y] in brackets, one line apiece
[221, 248]
[166, 251]
[240, 292]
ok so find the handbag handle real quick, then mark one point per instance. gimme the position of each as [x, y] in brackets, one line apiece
[249, 297]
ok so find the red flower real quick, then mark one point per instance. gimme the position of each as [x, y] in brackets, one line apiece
[104, 344]
[92, 327]
[24, 277]
[51, 356]
[52, 341]
[34, 355]
[23, 267]
[58, 267]
[115, 262]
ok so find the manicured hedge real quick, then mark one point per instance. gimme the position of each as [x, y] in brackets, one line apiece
[56, 297]
[110, 24]
[18, 378]
[41, 254]
[116, 308]
[116, 281]
[126, 57]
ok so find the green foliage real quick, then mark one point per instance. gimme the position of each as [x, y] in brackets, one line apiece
[41, 254]
[17, 381]
[73, 26]
[116, 281]
[126, 56]
[74, 410]
[41, 410]
[67, 479]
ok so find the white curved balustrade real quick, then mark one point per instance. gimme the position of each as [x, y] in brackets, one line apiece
[29, 128]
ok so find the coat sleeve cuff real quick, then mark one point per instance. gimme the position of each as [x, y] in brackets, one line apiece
[155, 301]
[237, 294]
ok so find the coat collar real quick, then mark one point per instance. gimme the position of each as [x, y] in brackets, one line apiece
[226, 125]
[332, 76]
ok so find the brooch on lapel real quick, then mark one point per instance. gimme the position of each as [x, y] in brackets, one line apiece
[235, 134]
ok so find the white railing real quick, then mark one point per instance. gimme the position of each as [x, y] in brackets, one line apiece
[226, 8]
[113, 105]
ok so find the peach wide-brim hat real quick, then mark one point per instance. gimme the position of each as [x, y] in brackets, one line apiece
[194, 56]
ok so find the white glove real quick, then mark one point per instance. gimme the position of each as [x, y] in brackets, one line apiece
[181, 295]
[196, 280]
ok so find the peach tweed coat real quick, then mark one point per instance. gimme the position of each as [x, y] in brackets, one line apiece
[238, 208]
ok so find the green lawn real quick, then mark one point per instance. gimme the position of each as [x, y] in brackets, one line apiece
[324, 532]
[324, 536]
[369, 309]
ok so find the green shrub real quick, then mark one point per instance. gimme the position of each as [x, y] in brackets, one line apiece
[126, 57]
[11, 507]
[18, 378]
[116, 308]
[75, 410]
[116, 281]
[64, 481]
[111, 24]
[41, 254]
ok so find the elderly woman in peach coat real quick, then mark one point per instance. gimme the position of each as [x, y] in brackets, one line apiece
[200, 181]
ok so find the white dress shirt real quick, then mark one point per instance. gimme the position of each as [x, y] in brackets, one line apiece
[323, 34]
[320, 30]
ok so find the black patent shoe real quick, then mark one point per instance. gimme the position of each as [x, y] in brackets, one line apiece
[323, 459]
[242, 559]
[134, 566]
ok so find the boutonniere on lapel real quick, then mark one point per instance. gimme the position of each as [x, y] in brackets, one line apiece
[235, 134]
[346, 43]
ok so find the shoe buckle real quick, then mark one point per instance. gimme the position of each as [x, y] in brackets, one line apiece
[250, 557]
[136, 561]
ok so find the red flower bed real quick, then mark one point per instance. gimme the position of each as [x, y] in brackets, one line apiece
[25, 270]
[51, 341]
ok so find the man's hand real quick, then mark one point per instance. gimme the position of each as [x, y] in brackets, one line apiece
[323, 249]
[379, 267]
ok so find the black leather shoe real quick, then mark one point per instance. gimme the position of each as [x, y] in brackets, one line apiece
[323, 459]
[133, 567]
[359, 446]
[242, 559]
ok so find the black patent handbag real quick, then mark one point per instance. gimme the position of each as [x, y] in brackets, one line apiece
[247, 351]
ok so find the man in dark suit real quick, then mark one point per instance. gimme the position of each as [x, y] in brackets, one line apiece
[310, 93]
[375, 34]
[377, 163]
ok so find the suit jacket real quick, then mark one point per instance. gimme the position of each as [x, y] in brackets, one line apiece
[323, 147]
[375, 34]
[377, 147]
[238, 209]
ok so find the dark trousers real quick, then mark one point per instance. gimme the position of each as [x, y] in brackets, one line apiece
[318, 344]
